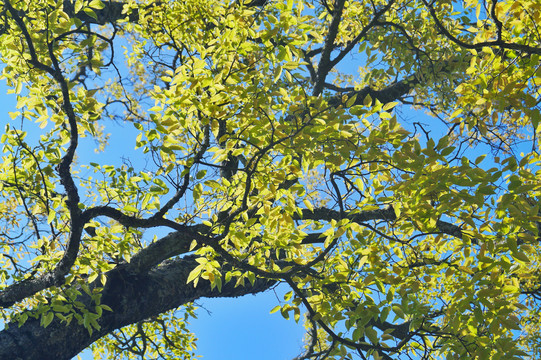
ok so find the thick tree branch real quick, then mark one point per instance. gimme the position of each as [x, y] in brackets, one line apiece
[133, 296]
[387, 214]
[173, 244]
[113, 11]
[325, 64]
[389, 94]
[360, 216]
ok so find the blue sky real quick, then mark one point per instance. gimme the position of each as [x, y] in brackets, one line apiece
[243, 328]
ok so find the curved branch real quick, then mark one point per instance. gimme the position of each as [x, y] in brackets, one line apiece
[478, 46]
[19, 291]
[173, 244]
[312, 313]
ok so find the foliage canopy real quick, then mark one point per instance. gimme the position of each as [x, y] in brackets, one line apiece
[277, 141]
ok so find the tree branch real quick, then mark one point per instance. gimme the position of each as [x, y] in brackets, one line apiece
[133, 296]
[389, 94]
[325, 64]
[387, 214]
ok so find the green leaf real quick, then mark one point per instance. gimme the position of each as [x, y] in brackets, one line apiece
[372, 335]
[96, 4]
[78, 5]
[90, 13]
[46, 319]
[367, 100]
[51, 216]
[130, 208]
[201, 174]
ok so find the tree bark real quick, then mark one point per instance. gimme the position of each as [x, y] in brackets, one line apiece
[132, 296]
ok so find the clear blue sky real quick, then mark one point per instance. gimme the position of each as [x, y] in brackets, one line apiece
[243, 328]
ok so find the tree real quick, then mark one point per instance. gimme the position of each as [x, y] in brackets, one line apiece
[271, 159]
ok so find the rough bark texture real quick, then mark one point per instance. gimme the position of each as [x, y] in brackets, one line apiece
[132, 296]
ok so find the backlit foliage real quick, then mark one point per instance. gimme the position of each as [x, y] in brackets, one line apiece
[380, 158]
